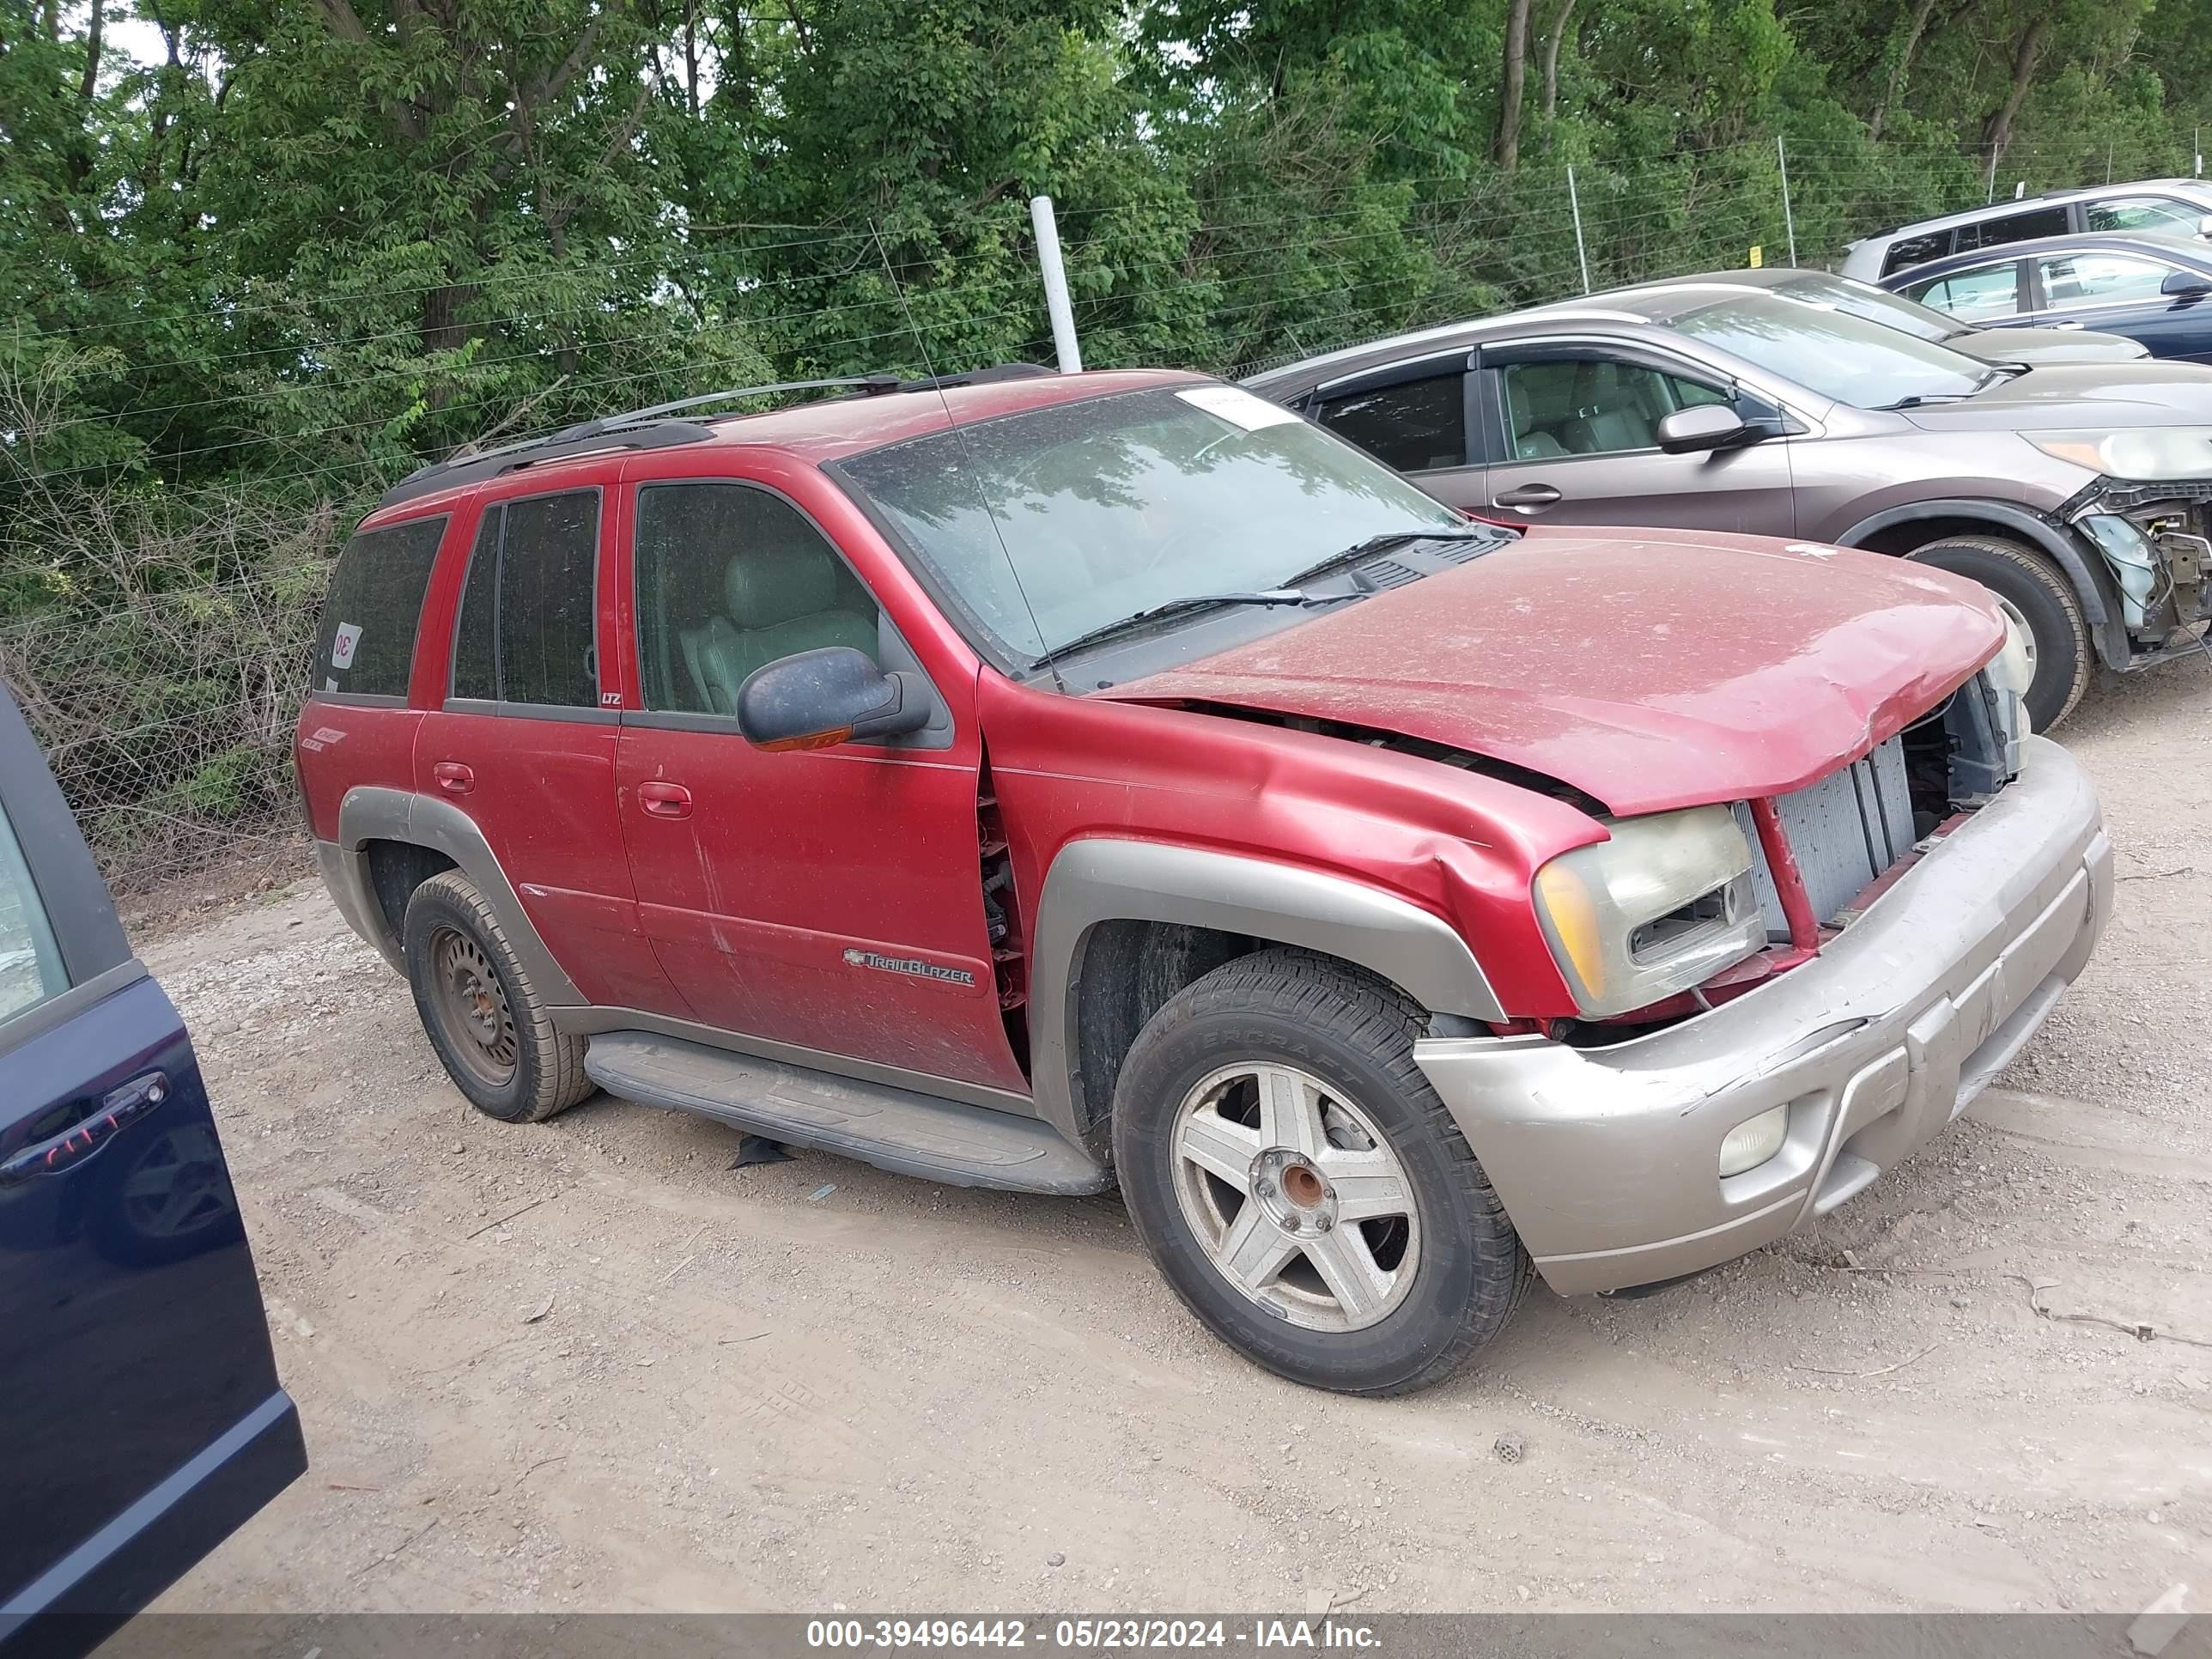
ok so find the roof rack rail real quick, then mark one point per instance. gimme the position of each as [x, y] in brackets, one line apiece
[652, 427]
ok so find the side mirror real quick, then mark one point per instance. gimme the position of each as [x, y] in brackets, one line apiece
[814, 698]
[2204, 226]
[2185, 281]
[1702, 426]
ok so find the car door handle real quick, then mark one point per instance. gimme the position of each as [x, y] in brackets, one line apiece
[453, 778]
[1537, 494]
[2068, 324]
[664, 800]
[117, 1108]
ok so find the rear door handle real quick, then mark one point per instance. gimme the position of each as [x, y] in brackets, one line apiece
[117, 1108]
[453, 778]
[1535, 494]
[664, 800]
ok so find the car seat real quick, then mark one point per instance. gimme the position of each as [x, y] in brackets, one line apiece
[780, 600]
[1607, 418]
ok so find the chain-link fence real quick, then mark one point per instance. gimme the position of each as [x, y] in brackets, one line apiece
[159, 642]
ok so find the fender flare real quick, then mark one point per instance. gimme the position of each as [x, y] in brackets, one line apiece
[372, 813]
[2031, 528]
[1096, 880]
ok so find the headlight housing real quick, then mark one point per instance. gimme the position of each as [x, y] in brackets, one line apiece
[1666, 903]
[2148, 453]
[2012, 670]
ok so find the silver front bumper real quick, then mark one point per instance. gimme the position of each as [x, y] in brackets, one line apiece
[1607, 1159]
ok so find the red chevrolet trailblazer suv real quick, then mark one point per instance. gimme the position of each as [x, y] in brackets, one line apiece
[1042, 782]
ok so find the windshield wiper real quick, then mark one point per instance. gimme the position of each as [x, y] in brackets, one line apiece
[1172, 608]
[1383, 543]
[1915, 399]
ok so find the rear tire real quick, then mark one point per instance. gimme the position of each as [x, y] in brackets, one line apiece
[2041, 601]
[1300, 1185]
[482, 1016]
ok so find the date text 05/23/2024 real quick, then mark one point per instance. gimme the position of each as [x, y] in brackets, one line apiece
[1092, 1635]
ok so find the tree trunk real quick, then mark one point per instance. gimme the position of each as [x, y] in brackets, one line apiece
[1915, 26]
[1552, 62]
[1997, 132]
[1506, 150]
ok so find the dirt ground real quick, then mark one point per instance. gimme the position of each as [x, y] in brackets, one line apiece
[589, 1365]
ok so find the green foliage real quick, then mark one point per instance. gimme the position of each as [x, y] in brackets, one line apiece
[283, 251]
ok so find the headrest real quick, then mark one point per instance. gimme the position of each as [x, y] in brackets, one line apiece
[774, 585]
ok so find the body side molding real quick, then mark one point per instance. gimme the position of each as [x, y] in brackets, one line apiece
[1097, 880]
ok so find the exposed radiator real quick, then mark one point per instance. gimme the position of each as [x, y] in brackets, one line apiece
[1844, 831]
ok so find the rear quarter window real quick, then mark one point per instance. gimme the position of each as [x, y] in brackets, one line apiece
[366, 644]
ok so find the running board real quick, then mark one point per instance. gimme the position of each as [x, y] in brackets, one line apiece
[896, 1129]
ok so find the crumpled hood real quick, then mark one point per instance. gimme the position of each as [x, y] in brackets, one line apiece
[2056, 396]
[1650, 668]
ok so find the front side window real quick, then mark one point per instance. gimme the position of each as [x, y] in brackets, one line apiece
[1038, 527]
[1593, 406]
[730, 579]
[1416, 426]
[2012, 228]
[31, 967]
[365, 644]
[2089, 279]
[528, 628]
[2143, 213]
[1987, 292]
[1866, 365]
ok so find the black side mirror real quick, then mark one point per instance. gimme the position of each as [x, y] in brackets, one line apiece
[1702, 426]
[814, 698]
[2185, 283]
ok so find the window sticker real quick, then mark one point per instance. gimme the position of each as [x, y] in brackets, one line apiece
[342, 646]
[1237, 407]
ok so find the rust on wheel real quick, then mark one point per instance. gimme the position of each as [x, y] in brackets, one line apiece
[471, 1005]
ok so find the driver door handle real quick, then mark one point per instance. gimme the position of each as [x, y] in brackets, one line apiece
[118, 1109]
[1534, 494]
[664, 800]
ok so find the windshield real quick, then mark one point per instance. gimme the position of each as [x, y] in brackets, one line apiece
[1866, 365]
[1110, 505]
[1818, 288]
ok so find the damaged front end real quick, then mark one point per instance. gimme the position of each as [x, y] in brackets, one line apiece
[1699, 908]
[2153, 534]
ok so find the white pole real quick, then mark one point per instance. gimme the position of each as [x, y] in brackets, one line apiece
[1055, 285]
[1575, 203]
[1789, 219]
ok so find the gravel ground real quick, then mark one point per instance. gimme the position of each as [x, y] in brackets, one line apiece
[588, 1364]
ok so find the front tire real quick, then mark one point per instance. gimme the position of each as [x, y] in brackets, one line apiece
[482, 1016]
[1300, 1185]
[2037, 595]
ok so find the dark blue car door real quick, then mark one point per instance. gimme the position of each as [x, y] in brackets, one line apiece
[141, 1419]
[2120, 291]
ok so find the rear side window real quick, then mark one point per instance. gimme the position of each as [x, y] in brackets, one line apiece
[366, 643]
[527, 632]
[1916, 251]
[2013, 228]
[30, 962]
[1415, 426]
[1987, 291]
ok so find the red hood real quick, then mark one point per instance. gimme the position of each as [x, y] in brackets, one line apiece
[1650, 668]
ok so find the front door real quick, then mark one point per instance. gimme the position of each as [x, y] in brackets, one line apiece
[1576, 432]
[143, 1421]
[2123, 293]
[828, 899]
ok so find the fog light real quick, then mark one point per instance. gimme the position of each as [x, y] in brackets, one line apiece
[1754, 1141]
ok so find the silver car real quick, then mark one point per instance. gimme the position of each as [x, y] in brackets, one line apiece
[2173, 207]
[2080, 494]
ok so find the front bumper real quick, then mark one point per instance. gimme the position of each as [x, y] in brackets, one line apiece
[1607, 1159]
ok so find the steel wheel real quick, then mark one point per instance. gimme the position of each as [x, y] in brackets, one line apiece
[471, 1005]
[1296, 1197]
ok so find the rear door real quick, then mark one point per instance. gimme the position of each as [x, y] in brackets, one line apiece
[1414, 417]
[142, 1420]
[1575, 430]
[1994, 293]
